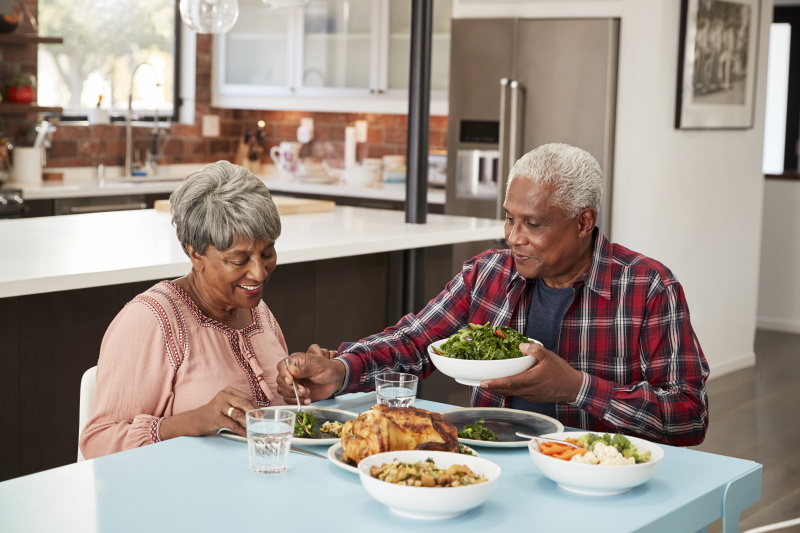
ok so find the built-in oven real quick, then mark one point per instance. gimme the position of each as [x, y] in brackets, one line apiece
[99, 204]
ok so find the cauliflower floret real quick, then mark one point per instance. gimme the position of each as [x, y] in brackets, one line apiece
[603, 455]
[608, 455]
[589, 458]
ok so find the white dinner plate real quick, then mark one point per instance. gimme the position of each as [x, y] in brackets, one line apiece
[335, 456]
[322, 414]
[504, 422]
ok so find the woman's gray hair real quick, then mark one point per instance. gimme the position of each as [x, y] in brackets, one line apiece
[220, 202]
[575, 175]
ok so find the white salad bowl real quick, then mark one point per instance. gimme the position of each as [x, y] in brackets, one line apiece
[431, 503]
[472, 372]
[596, 480]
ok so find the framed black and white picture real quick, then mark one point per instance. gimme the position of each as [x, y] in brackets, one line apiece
[717, 66]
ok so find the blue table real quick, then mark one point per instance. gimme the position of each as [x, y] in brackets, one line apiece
[204, 484]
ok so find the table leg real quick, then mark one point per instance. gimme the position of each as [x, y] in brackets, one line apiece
[739, 494]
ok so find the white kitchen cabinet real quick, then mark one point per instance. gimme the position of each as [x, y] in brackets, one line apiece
[331, 55]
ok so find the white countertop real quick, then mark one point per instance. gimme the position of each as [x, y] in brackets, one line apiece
[77, 251]
[82, 186]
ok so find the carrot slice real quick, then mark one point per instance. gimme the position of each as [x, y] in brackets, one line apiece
[554, 449]
[569, 454]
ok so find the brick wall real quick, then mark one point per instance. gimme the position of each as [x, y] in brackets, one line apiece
[90, 145]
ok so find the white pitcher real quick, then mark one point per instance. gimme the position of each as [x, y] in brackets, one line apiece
[286, 156]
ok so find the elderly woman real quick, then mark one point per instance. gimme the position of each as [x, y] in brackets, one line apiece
[191, 356]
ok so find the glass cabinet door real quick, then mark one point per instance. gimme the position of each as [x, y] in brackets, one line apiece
[399, 45]
[257, 52]
[338, 45]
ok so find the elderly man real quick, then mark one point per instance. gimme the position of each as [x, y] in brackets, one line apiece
[619, 353]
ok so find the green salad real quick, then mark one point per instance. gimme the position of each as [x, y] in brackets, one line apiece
[487, 343]
[476, 431]
[304, 423]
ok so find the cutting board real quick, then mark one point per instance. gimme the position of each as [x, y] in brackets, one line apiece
[286, 205]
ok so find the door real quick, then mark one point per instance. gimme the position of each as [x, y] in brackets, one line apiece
[566, 71]
[482, 53]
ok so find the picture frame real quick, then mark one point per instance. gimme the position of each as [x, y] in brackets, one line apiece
[717, 64]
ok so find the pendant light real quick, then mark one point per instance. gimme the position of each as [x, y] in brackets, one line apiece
[209, 16]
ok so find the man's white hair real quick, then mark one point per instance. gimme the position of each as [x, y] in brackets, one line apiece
[573, 173]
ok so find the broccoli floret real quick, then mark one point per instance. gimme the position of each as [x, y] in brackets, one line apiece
[622, 444]
[588, 440]
[641, 457]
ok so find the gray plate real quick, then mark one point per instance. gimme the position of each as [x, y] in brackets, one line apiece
[322, 414]
[504, 422]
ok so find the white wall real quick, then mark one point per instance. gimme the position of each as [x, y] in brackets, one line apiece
[779, 287]
[691, 199]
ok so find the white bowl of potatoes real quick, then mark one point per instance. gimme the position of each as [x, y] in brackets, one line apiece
[446, 495]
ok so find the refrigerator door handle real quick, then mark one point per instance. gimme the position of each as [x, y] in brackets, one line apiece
[502, 160]
[509, 150]
[514, 131]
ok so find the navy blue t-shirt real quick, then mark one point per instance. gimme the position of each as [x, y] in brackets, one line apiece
[547, 310]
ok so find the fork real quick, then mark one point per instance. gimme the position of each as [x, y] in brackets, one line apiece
[297, 398]
[547, 439]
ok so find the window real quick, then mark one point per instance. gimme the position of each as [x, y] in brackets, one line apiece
[780, 38]
[104, 42]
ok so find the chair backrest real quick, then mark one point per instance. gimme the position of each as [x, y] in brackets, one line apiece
[88, 385]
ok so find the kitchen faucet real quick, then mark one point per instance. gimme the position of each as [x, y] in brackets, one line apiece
[128, 126]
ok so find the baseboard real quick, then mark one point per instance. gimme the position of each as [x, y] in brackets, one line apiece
[732, 364]
[778, 324]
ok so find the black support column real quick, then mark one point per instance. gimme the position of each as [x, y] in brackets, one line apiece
[417, 151]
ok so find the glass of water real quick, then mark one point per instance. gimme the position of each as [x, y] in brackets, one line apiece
[396, 389]
[269, 434]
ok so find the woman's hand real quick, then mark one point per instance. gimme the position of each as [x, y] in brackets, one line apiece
[317, 376]
[226, 410]
[550, 380]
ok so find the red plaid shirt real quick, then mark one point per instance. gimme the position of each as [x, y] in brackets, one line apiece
[627, 330]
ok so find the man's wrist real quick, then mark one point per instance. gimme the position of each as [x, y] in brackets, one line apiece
[581, 387]
[342, 372]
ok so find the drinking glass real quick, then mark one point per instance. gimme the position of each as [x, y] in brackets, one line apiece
[269, 434]
[396, 389]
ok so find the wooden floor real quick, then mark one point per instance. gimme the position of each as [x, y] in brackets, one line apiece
[755, 415]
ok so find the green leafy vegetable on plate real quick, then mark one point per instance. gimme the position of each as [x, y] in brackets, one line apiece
[476, 431]
[304, 425]
[487, 343]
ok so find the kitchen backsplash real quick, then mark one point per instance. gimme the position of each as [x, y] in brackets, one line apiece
[91, 145]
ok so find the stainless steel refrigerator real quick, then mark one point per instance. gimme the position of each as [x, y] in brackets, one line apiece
[516, 84]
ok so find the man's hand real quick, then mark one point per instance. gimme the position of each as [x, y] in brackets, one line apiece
[315, 349]
[317, 376]
[549, 380]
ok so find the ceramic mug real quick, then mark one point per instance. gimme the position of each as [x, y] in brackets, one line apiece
[286, 156]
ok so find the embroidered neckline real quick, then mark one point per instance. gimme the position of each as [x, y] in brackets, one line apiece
[203, 320]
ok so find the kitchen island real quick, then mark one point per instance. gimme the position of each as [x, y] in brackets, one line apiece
[63, 279]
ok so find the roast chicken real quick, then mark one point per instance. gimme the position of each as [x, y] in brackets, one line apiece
[388, 429]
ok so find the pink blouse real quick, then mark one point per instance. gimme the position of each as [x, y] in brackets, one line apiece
[161, 356]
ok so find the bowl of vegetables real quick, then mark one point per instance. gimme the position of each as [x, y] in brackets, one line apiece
[428, 484]
[482, 352]
[603, 465]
